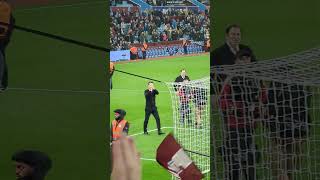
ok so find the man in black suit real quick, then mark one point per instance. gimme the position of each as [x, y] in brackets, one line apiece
[183, 76]
[151, 108]
[226, 54]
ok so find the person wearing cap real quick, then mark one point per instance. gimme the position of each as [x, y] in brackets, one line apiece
[239, 103]
[119, 124]
[31, 165]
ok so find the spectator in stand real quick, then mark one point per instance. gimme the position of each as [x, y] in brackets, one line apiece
[185, 46]
[164, 37]
[156, 26]
[144, 50]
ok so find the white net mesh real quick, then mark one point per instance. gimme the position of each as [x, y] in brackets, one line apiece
[266, 119]
[191, 108]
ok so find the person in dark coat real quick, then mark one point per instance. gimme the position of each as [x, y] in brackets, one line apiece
[226, 53]
[151, 108]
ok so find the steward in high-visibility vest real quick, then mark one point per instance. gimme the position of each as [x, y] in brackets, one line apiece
[144, 50]
[133, 53]
[119, 125]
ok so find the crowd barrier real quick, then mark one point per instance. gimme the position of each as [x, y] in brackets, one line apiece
[157, 50]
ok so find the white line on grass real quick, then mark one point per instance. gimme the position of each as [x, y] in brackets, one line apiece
[57, 90]
[147, 159]
[149, 131]
[62, 6]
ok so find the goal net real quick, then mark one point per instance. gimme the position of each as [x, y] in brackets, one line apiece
[191, 110]
[266, 119]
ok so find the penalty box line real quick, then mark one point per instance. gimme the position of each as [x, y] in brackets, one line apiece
[132, 135]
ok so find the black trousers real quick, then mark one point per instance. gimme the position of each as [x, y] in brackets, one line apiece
[144, 54]
[185, 112]
[133, 56]
[185, 49]
[240, 154]
[155, 114]
[3, 71]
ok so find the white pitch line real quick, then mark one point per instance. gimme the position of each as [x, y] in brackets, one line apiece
[62, 6]
[132, 135]
[147, 159]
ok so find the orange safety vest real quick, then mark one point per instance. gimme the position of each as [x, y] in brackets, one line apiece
[134, 50]
[145, 46]
[117, 129]
[5, 15]
[111, 67]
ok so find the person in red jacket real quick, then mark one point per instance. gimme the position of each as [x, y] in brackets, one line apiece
[119, 125]
[239, 103]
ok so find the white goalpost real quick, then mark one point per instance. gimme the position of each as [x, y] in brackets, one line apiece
[191, 119]
[266, 119]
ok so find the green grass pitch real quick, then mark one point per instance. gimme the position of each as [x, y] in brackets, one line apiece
[128, 94]
[70, 127]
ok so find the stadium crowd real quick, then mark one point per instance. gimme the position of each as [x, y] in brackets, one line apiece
[156, 26]
[157, 2]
